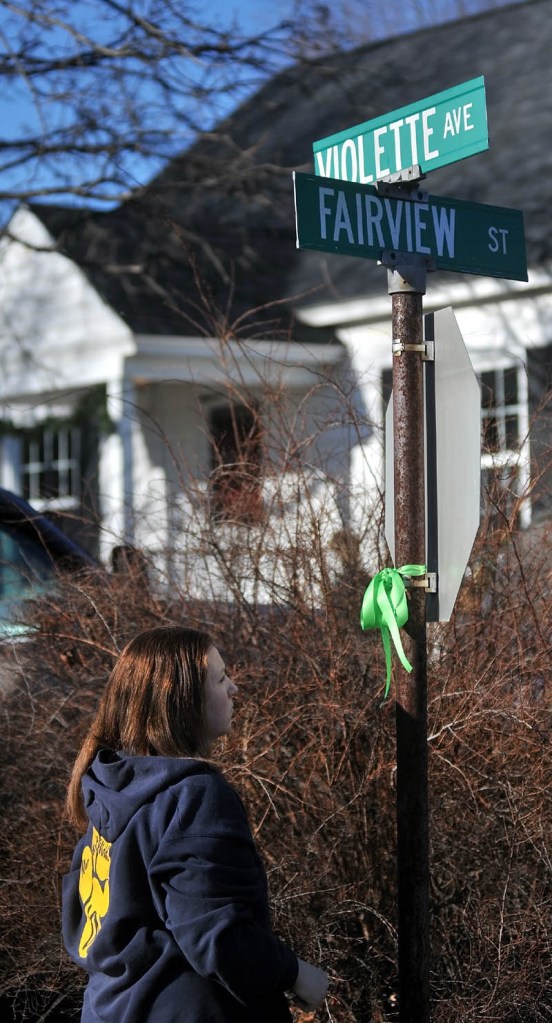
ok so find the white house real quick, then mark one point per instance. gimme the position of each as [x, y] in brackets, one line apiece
[120, 433]
[179, 348]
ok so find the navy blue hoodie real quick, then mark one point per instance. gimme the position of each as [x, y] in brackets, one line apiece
[166, 903]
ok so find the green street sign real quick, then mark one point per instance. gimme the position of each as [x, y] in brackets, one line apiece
[441, 129]
[356, 220]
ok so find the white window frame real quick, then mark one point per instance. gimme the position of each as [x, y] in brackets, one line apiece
[22, 471]
[512, 463]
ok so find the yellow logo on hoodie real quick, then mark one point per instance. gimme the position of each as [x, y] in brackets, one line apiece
[94, 888]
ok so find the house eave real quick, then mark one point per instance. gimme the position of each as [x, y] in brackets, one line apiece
[201, 360]
[461, 294]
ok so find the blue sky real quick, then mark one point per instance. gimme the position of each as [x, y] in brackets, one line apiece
[16, 108]
[19, 115]
[257, 14]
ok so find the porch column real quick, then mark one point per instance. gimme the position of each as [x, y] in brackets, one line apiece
[116, 468]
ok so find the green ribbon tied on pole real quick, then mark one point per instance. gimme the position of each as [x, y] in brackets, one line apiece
[385, 607]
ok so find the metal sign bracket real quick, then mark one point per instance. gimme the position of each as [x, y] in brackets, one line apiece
[407, 271]
[427, 349]
[405, 184]
[427, 582]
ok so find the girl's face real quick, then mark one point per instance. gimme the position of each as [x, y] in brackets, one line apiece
[219, 691]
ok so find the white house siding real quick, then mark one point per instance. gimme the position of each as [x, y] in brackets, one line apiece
[57, 338]
[56, 334]
[321, 405]
[500, 323]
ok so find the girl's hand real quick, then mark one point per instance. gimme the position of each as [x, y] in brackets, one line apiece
[311, 986]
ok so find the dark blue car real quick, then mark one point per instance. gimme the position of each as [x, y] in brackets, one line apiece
[33, 553]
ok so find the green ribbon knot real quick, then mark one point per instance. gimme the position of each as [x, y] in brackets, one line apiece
[385, 607]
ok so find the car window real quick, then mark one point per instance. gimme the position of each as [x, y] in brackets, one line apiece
[25, 571]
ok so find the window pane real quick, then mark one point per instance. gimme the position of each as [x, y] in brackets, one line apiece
[488, 389]
[51, 464]
[490, 439]
[511, 386]
[512, 432]
[499, 410]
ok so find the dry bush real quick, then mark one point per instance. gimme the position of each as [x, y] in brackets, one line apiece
[491, 787]
[313, 753]
[56, 681]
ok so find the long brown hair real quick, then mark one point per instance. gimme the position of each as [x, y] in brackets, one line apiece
[153, 704]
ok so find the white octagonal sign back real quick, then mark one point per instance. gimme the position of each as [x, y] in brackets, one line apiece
[453, 462]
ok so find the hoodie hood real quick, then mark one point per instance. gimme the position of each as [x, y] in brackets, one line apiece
[116, 786]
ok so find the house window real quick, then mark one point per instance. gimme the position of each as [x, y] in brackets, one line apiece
[51, 467]
[539, 373]
[504, 443]
[505, 469]
[500, 412]
[236, 463]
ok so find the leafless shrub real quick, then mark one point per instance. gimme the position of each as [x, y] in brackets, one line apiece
[314, 756]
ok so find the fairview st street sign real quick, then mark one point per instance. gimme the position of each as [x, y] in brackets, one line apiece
[356, 220]
[431, 133]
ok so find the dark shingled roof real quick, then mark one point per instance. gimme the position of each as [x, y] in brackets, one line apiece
[213, 236]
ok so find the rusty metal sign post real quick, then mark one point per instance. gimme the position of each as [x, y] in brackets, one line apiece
[406, 285]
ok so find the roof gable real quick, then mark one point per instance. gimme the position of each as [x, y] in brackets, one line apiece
[48, 312]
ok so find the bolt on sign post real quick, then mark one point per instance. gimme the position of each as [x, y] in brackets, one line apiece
[365, 200]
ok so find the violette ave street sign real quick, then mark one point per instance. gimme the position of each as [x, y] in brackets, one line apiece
[431, 133]
[356, 220]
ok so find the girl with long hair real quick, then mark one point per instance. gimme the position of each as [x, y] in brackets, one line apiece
[166, 903]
